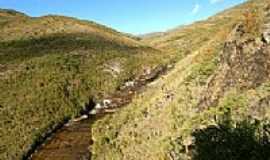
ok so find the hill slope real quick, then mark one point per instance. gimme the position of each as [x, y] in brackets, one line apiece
[200, 109]
[53, 67]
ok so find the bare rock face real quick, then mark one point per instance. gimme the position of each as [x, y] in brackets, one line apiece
[259, 108]
[244, 63]
[114, 68]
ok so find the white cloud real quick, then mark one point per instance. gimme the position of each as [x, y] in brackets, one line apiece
[196, 9]
[215, 1]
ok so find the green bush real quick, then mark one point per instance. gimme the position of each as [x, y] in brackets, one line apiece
[245, 140]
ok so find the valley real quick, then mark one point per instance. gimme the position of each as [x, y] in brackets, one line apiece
[75, 89]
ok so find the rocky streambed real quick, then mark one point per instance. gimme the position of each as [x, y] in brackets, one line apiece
[72, 141]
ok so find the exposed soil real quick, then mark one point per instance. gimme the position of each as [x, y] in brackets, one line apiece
[72, 141]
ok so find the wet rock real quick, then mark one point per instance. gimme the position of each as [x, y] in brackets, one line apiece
[107, 103]
[98, 106]
[110, 110]
[130, 84]
[83, 117]
[93, 112]
[88, 106]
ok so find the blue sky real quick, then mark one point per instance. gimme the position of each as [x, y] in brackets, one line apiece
[131, 16]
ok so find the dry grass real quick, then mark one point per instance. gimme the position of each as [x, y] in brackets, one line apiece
[146, 127]
[159, 122]
[51, 66]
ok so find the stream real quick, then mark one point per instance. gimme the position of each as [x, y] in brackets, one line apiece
[72, 141]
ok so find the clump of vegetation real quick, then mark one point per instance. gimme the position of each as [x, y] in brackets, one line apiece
[253, 20]
[247, 139]
[202, 71]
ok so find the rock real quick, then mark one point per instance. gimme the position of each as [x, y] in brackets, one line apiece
[83, 117]
[130, 84]
[93, 112]
[238, 31]
[106, 103]
[266, 37]
[170, 66]
[98, 106]
[188, 142]
[110, 110]
[147, 71]
[68, 124]
[114, 68]
[244, 63]
[259, 108]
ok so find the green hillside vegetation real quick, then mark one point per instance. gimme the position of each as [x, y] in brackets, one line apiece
[52, 67]
[223, 68]
[213, 102]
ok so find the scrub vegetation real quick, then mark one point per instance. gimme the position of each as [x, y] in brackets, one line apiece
[183, 114]
[213, 104]
[48, 76]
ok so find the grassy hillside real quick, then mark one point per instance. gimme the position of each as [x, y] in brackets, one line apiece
[7, 14]
[186, 39]
[213, 105]
[52, 67]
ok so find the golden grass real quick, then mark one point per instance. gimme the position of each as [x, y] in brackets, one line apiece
[151, 126]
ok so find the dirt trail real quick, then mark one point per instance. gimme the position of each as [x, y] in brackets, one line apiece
[72, 141]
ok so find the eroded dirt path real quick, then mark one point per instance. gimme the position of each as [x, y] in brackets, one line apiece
[72, 141]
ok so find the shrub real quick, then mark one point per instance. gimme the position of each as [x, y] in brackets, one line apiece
[245, 140]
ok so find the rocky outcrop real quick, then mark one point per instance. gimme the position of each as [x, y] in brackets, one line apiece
[244, 64]
[258, 109]
[125, 93]
[266, 27]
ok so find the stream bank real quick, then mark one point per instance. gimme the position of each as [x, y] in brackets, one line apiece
[72, 141]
